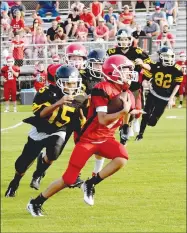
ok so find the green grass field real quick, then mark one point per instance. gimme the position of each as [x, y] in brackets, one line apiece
[148, 195]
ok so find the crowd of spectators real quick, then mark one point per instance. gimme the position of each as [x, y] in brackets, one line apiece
[98, 20]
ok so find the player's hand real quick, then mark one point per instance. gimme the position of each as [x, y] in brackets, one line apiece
[125, 97]
[137, 111]
[66, 99]
[4, 80]
[170, 103]
[138, 62]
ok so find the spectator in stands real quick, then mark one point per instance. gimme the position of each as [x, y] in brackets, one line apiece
[139, 32]
[171, 8]
[17, 7]
[82, 31]
[52, 31]
[70, 24]
[4, 7]
[109, 14]
[125, 18]
[60, 36]
[17, 24]
[159, 17]
[34, 26]
[101, 31]
[27, 39]
[96, 8]
[166, 38]
[112, 26]
[88, 19]
[56, 59]
[160, 3]
[17, 49]
[107, 3]
[11, 3]
[40, 76]
[151, 29]
[35, 16]
[39, 40]
[79, 5]
[59, 21]
[138, 4]
[45, 7]
[132, 27]
[5, 22]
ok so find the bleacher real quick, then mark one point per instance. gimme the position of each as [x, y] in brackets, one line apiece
[26, 71]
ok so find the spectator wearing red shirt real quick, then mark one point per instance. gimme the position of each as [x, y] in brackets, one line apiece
[96, 9]
[125, 18]
[17, 24]
[17, 49]
[101, 31]
[89, 19]
[10, 74]
[166, 38]
[82, 31]
[40, 76]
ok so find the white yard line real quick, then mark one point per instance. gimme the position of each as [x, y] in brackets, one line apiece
[12, 127]
[174, 117]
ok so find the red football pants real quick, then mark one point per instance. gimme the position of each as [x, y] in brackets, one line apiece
[110, 149]
[138, 101]
[10, 90]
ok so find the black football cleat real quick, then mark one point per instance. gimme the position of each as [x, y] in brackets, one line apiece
[123, 138]
[35, 182]
[34, 209]
[139, 137]
[11, 191]
[77, 183]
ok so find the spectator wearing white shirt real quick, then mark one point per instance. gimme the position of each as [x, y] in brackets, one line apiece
[79, 5]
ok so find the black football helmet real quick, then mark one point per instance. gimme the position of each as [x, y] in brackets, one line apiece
[166, 56]
[124, 38]
[96, 58]
[68, 80]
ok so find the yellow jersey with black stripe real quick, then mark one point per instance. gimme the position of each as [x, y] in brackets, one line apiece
[164, 78]
[63, 118]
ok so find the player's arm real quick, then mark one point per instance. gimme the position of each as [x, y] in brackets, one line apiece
[15, 72]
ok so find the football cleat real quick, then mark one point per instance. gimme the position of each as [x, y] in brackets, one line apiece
[88, 193]
[15, 109]
[136, 126]
[6, 110]
[77, 183]
[35, 182]
[123, 137]
[34, 209]
[11, 191]
[180, 106]
[139, 137]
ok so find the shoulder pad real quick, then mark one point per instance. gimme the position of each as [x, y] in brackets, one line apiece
[139, 50]
[82, 71]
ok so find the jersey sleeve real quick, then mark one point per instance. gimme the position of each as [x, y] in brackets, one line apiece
[3, 70]
[178, 75]
[41, 100]
[111, 52]
[99, 98]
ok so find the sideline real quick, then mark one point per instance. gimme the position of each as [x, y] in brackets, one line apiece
[12, 127]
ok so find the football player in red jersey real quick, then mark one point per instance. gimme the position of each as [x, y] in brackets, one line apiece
[40, 76]
[183, 89]
[97, 135]
[10, 74]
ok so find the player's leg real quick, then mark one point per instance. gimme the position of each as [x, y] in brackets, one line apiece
[181, 95]
[138, 99]
[6, 97]
[99, 161]
[23, 162]
[149, 107]
[110, 149]
[13, 94]
[54, 146]
[81, 153]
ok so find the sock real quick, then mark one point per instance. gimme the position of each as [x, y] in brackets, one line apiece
[42, 166]
[125, 128]
[94, 180]
[98, 165]
[39, 200]
[17, 177]
[180, 102]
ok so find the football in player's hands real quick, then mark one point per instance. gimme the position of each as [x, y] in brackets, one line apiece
[79, 100]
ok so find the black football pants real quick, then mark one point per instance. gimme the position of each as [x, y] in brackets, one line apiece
[154, 107]
[53, 144]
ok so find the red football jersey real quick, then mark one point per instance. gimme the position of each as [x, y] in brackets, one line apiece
[41, 78]
[93, 131]
[17, 25]
[51, 71]
[8, 75]
[183, 64]
[18, 52]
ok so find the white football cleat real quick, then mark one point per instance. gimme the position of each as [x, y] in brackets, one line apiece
[180, 106]
[88, 193]
[15, 109]
[34, 209]
[6, 110]
[136, 125]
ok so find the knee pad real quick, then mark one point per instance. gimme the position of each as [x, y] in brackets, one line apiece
[71, 174]
[152, 121]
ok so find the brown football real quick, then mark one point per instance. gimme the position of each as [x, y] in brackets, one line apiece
[115, 104]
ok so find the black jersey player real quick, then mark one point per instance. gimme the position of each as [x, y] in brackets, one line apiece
[165, 78]
[56, 110]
